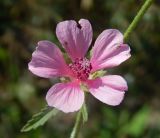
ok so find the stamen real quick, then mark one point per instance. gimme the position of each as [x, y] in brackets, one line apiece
[81, 68]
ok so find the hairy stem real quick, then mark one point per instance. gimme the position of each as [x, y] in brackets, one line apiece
[137, 18]
[77, 125]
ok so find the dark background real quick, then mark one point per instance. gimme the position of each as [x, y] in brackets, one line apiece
[24, 22]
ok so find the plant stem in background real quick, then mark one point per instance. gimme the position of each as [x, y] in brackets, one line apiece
[77, 125]
[137, 18]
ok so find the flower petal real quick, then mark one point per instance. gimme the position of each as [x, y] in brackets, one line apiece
[47, 61]
[75, 37]
[109, 50]
[67, 97]
[108, 89]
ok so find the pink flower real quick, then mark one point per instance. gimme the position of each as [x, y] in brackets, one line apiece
[108, 51]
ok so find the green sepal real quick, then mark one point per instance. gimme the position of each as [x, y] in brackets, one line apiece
[84, 113]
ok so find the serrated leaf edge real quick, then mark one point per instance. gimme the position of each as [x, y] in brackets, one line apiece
[27, 126]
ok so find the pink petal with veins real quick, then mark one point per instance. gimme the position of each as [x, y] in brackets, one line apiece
[108, 89]
[75, 37]
[109, 50]
[47, 61]
[67, 97]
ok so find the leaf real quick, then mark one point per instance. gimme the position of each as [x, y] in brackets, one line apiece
[84, 113]
[40, 118]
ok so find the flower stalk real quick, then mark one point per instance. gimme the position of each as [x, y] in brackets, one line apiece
[137, 18]
[76, 128]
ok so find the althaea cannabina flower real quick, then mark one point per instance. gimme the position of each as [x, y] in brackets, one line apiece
[108, 51]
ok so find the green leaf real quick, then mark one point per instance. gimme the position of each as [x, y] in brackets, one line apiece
[40, 118]
[84, 113]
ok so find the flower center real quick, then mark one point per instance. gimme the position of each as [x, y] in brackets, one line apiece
[81, 68]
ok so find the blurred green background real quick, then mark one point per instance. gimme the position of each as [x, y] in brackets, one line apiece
[24, 22]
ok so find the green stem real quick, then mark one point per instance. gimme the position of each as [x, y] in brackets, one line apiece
[137, 18]
[77, 125]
